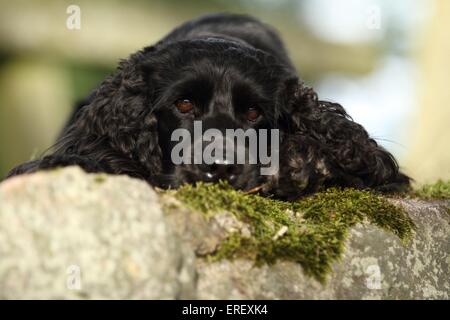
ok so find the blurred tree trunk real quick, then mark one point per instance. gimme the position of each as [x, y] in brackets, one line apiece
[34, 101]
[429, 158]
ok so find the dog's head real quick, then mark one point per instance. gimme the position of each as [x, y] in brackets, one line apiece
[132, 125]
[209, 87]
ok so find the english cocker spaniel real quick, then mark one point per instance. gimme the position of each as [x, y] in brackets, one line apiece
[224, 72]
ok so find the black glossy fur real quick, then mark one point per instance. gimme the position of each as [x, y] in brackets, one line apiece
[224, 64]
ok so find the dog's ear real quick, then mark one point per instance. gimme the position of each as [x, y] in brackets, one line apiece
[117, 131]
[340, 151]
[119, 128]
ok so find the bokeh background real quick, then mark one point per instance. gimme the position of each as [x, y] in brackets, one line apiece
[387, 62]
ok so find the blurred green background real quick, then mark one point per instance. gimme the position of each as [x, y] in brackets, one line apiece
[387, 62]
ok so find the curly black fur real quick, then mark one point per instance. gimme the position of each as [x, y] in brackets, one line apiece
[224, 63]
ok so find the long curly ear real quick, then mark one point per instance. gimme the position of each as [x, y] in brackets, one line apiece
[117, 131]
[328, 148]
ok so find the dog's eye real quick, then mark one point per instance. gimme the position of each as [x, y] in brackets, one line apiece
[252, 114]
[184, 105]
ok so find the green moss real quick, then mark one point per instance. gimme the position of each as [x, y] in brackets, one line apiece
[316, 226]
[437, 190]
[100, 178]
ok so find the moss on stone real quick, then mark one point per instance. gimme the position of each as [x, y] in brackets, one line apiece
[438, 190]
[100, 178]
[310, 231]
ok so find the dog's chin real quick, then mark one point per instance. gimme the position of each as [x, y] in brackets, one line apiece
[249, 179]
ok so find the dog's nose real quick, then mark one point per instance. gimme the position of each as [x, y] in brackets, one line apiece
[221, 170]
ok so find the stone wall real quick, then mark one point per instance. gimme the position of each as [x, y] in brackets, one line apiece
[71, 235]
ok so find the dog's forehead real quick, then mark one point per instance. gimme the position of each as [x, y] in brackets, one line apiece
[211, 55]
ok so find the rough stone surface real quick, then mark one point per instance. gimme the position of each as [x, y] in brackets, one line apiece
[375, 265]
[67, 234]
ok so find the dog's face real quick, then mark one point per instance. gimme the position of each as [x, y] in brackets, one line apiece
[222, 86]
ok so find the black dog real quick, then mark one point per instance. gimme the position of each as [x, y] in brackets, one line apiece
[228, 71]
